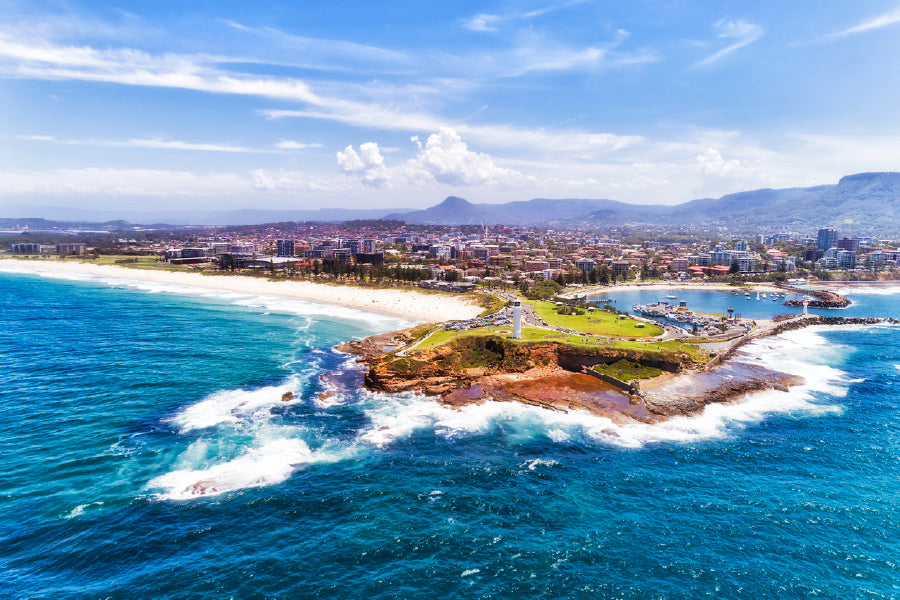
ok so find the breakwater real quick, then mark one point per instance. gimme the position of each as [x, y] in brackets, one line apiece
[823, 298]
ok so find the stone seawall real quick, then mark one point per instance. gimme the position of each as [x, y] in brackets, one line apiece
[625, 386]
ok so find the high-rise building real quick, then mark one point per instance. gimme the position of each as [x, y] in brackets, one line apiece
[851, 244]
[285, 247]
[827, 238]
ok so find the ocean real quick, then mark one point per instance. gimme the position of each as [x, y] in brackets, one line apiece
[147, 453]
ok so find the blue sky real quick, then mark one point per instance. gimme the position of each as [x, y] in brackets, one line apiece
[226, 105]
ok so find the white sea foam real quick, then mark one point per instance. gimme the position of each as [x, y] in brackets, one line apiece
[261, 303]
[540, 462]
[267, 463]
[81, 508]
[867, 290]
[395, 417]
[232, 406]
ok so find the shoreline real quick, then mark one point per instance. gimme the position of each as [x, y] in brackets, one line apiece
[405, 303]
[666, 287]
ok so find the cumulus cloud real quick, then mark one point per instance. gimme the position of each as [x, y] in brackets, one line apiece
[446, 158]
[711, 162]
[367, 164]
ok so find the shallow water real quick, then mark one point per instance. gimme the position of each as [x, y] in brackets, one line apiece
[146, 452]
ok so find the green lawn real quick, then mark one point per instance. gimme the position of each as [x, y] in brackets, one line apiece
[627, 370]
[596, 322]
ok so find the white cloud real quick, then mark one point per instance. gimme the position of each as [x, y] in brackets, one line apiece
[445, 158]
[154, 143]
[489, 22]
[324, 53]
[292, 145]
[264, 181]
[122, 182]
[889, 18]
[367, 165]
[483, 22]
[743, 32]
[712, 163]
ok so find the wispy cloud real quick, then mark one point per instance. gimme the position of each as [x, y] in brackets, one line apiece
[742, 32]
[888, 18]
[156, 143]
[483, 22]
[491, 22]
[292, 145]
[322, 52]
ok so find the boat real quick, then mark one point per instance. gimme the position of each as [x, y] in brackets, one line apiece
[671, 296]
[757, 295]
[764, 295]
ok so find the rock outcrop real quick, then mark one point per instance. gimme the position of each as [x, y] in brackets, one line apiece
[463, 362]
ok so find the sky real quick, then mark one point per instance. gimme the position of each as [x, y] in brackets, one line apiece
[347, 104]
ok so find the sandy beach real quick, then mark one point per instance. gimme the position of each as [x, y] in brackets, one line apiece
[406, 303]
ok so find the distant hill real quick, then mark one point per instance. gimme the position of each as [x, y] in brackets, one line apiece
[247, 216]
[457, 211]
[866, 203]
[861, 204]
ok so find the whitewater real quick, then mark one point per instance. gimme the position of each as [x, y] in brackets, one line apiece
[147, 452]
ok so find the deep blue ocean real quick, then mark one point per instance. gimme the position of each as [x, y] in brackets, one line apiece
[145, 452]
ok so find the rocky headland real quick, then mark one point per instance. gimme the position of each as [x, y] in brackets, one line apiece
[561, 377]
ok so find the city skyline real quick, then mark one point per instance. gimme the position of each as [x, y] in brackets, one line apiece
[355, 106]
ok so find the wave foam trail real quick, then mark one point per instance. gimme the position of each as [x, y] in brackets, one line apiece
[267, 463]
[396, 417]
[870, 290]
[81, 508]
[232, 406]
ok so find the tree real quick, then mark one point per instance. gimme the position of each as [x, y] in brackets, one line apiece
[735, 268]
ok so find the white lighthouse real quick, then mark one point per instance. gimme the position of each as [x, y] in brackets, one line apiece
[517, 319]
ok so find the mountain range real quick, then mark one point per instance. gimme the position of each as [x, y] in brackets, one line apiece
[866, 203]
[861, 204]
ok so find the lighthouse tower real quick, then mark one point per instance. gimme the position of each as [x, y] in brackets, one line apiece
[517, 319]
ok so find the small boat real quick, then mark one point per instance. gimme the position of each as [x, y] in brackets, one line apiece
[671, 296]
[757, 295]
[764, 295]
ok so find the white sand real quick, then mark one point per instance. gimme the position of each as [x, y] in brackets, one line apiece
[406, 303]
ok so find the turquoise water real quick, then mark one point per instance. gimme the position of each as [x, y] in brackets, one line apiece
[146, 453]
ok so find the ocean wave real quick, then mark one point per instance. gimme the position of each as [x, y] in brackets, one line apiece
[540, 462]
[262, 303]
[867, 290]
[268, 463]
[81, 508]
[232, 406]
